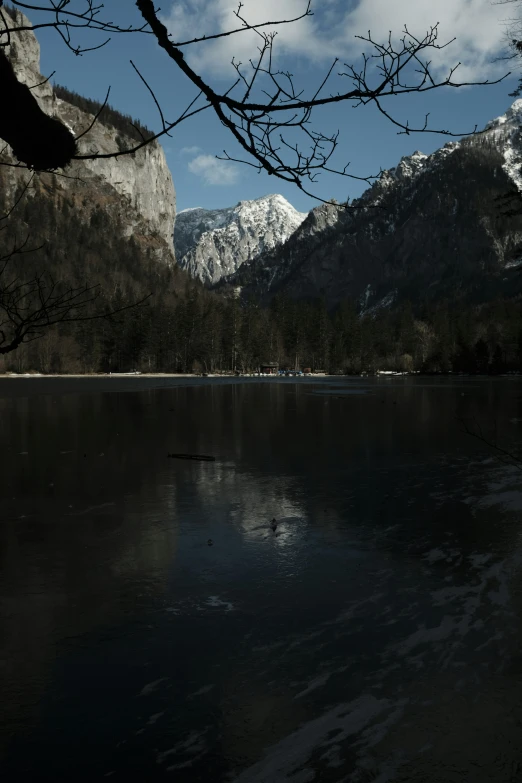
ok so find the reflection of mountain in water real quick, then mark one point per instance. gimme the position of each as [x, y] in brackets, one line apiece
[389, 572]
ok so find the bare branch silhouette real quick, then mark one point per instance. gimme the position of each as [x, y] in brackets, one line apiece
[29, 307]
[264, 109]
[39, 141]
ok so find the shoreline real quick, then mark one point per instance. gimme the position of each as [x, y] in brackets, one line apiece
[256, 376]
[25, 386]
[19, 386]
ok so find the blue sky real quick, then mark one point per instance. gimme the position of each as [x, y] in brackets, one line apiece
[307, 48]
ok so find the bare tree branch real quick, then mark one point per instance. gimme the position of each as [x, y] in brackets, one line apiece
[29, 307]
[270, 105]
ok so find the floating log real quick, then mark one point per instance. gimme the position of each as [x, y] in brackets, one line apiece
[202, 457]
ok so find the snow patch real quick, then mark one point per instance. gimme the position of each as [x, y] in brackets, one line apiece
[152, 686]
[386, 301]
[201, 691]
[317, 683]
[211, 244]
[215, 600]
[282, 761]
[513, 264]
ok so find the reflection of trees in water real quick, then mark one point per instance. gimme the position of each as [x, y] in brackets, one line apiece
[66, 572]
[280, 452]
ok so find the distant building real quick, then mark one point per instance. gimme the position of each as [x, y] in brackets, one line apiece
[269, 368]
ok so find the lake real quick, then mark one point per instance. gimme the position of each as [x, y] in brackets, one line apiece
[374, 635]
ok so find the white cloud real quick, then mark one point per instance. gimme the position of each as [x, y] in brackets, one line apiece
[477, 25]
[214, 171]
[190, 150]
[185, 22]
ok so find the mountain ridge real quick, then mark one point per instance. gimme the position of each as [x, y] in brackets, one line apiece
[428, 227]
[214, 243]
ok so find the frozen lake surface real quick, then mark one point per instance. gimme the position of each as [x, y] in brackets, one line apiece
[375, 635]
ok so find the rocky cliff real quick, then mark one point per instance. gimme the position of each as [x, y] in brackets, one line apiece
[213, 243]
[136, 191]
[433, 227]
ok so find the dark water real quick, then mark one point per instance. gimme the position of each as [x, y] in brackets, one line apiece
[374, 636]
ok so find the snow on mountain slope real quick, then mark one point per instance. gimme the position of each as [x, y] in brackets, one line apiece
[213, 243]
[505, 131]
[430, 227]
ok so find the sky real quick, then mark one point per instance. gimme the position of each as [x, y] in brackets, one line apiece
[367, 140]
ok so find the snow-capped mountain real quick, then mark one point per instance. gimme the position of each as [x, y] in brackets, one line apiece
[213, 243]
[431, 227]
[507, 132]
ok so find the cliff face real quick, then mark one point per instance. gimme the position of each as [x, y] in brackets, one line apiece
[136, 190]
[428, 229]
[213, 243]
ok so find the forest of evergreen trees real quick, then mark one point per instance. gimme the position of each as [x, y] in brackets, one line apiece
[185, 328]
[123, 123]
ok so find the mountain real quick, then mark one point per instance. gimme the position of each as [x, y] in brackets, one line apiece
[135, 191]
[103, 225]
[433, 227]
[213, 243]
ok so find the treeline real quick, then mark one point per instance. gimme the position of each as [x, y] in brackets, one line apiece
[183, 327]
[123, 123]
[189, 329]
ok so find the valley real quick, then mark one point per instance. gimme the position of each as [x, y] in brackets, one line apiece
[421, 273]
[260, 481]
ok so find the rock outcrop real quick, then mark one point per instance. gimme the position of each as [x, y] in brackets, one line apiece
[136, 189]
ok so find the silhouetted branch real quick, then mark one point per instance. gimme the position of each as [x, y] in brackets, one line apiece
[271, 103]
[29, 307]
[39, 141]
[96, 116]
